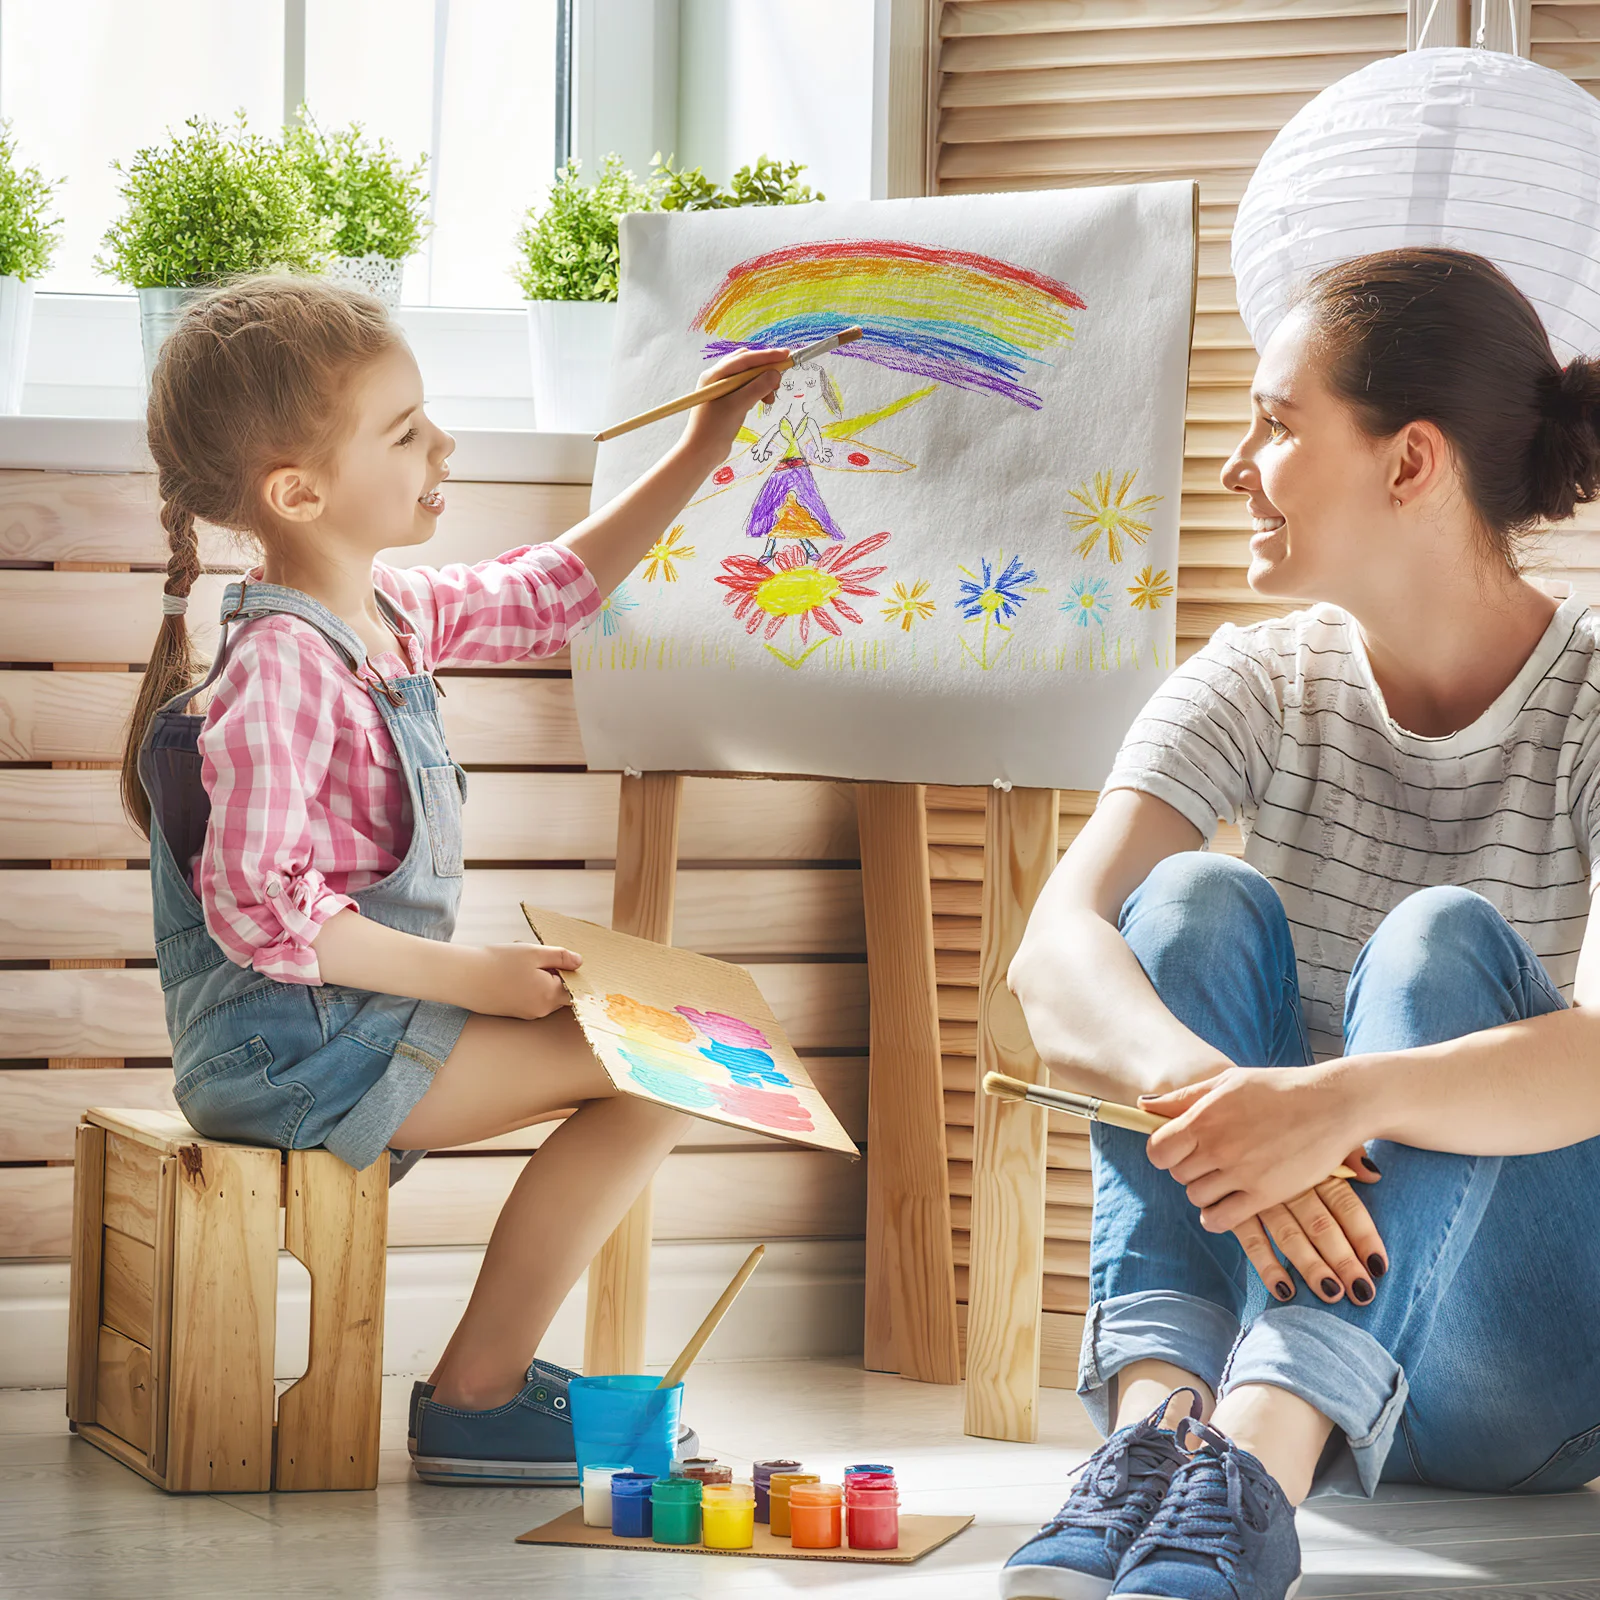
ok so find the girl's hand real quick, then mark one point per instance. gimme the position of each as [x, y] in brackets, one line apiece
[1252, 1138]
[521, 980]
[711, 428]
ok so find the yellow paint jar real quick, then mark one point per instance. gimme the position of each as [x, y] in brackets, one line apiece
[728, 1516]
[778, 1498]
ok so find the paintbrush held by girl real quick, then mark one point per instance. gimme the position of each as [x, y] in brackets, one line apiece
[305, 822]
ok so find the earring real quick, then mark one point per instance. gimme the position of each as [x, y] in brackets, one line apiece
[1397, 502]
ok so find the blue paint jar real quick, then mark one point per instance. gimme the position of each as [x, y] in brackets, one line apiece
[630, 1505]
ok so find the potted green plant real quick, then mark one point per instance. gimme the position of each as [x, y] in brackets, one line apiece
[214, 202]
[375, 203]
[568, 271]
[27, 240]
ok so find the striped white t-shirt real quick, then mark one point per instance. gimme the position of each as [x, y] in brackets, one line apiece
[1281, 728]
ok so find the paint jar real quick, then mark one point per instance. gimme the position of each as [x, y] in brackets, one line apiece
[778, 1498]
[630, 1504]
[728, 1516]
[597, 1493]
[675, 1510]
[625, 1417]
[707, 1469]
[872, 1511]
[761, 1477]
[814, 1516]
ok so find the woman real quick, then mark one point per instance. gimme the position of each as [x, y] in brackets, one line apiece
[1414, 761]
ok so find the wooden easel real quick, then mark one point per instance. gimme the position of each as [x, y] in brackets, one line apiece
[911, 1311]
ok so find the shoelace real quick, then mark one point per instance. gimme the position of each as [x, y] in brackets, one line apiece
[1210, 1495]
[1129, 1478]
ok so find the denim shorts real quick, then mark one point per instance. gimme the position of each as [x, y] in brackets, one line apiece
[297, 1066]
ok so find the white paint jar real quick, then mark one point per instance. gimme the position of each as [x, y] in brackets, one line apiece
[597, 1494]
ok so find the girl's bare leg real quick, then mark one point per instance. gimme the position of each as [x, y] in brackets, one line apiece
[1283, 1432]
[505, 1074]
[1143, 1385]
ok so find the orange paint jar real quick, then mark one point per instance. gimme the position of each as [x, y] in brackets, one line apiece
[816, 1516]
[778, 1499]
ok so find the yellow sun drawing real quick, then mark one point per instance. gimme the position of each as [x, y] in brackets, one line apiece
[1110, 512]
[1149, 589]
[908, 607]
[662, 556]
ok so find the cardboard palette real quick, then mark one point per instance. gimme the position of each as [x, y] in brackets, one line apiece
[918, 1535]
[689, 1032]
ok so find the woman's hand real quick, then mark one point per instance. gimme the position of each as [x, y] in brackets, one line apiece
[1329, 1239]
[519, 980]
[710, 428]
[1254, 1137]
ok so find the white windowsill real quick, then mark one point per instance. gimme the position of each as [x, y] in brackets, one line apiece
[83, 395]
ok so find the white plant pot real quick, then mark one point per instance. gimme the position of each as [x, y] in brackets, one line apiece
[16, 323]
[379, 276]
[570, 343]
[159, 311]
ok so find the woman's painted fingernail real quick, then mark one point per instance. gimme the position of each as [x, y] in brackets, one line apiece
[1376, 1265]
[1371, 1167]
[1284, 1291]
[1362, 1290]
[1330, 1287]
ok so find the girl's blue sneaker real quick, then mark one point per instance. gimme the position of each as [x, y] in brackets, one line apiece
[531, 1446]
[1076, 1554]
[1223, 1532]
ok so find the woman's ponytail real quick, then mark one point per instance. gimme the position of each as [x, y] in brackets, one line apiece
[1564, 458]
[172, 666]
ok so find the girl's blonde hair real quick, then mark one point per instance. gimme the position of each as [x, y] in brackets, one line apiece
[252, 379]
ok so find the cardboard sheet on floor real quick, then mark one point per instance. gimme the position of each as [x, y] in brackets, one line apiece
[689, 1032]
[918, 1535]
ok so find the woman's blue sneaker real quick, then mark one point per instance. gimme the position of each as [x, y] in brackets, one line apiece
[1223, 1532]
[1076, 1554]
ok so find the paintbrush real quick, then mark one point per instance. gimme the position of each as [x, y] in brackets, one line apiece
[1087, 1107]
[715, 1315]
[715, 391]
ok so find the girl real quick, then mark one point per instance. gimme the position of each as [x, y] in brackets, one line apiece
[1415, 762]
[305, 832]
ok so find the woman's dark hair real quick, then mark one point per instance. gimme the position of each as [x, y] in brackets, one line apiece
[1443, 336]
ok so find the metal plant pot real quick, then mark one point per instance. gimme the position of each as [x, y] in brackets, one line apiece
[379, 276]
[16, 323]
[159, 310]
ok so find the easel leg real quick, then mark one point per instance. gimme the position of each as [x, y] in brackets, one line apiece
[911, 1310]
[336, 1221]
[1008, 1166]
[641, 904]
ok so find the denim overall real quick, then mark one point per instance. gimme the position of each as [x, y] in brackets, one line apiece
[288, 1064]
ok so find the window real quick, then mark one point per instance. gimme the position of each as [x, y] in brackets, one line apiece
[85, 82]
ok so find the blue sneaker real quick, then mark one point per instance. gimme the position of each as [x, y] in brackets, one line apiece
[1076, 1554]
[1223, 1532]
[526, 1441]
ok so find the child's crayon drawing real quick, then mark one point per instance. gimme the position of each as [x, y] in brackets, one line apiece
[1018, 386]
[688, 1032]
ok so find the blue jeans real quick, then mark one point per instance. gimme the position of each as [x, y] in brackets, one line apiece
[1477, 1363]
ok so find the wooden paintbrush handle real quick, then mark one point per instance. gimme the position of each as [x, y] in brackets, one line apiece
[715, 1315]
[695, 397]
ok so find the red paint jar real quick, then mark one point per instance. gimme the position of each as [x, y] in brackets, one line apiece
[872, 1512]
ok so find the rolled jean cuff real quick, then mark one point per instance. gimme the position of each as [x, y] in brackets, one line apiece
[1150, 1325]
[1338, 1368]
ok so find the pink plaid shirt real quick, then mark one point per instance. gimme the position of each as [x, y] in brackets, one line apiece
[308, 801]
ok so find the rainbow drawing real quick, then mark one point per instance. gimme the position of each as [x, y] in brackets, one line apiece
[966, 320]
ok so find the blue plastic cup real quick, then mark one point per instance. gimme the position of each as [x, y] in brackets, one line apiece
[625, 1417]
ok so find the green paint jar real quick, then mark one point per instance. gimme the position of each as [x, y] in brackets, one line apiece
[675, 1510]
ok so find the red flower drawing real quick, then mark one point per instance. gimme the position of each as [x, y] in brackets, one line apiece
[797, 585]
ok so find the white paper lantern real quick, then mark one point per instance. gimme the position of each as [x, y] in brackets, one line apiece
[1469, 149]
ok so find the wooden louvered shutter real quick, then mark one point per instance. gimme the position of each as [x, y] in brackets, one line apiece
[1034, 94]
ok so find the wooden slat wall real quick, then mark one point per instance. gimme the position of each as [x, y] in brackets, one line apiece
[80, 574]
[1032, 94]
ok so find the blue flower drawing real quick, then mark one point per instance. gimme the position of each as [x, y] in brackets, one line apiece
[1087, 602]
[990, 598]
[613, 608]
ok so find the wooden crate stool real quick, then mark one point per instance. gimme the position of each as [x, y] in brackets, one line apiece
[174, 1307]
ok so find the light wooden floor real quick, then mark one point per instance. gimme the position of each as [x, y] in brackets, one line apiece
[75, 1525]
